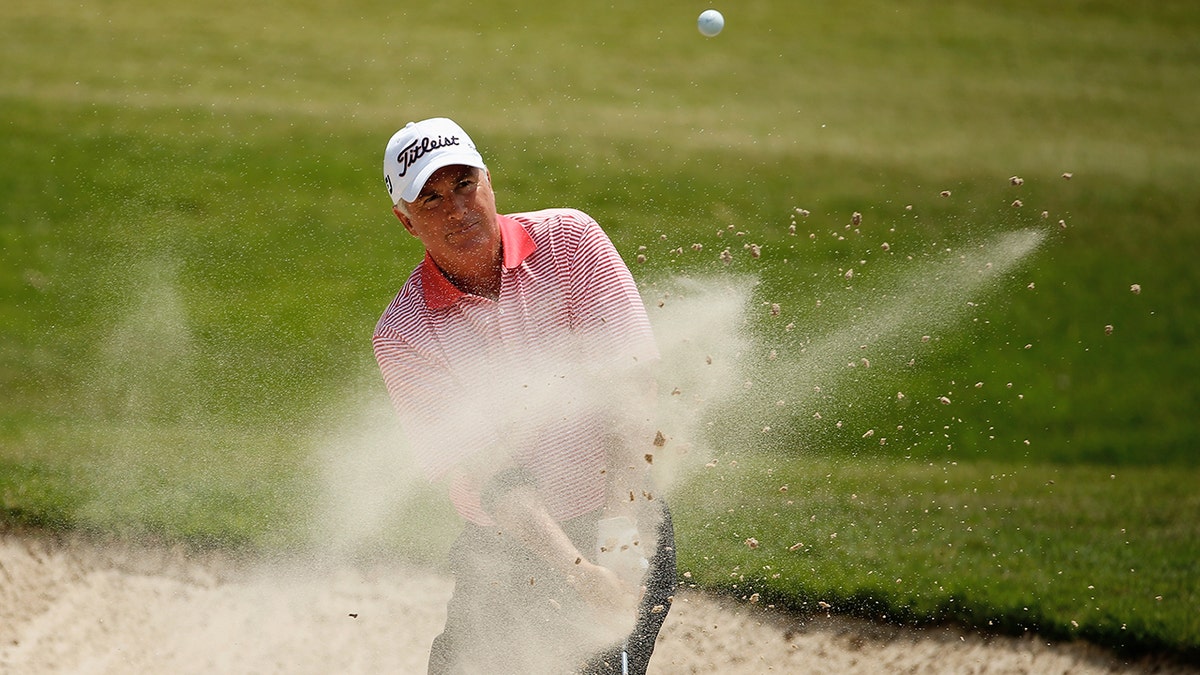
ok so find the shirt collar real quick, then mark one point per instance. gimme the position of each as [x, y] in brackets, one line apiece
[515, 244]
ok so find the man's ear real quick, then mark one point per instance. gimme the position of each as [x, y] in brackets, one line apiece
[403, 219]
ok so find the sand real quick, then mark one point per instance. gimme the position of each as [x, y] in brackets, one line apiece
[70, 604]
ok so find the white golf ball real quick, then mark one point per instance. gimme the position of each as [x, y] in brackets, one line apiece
[710, 22]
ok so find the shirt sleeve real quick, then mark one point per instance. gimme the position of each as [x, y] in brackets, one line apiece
[427, 399]
[607, 309]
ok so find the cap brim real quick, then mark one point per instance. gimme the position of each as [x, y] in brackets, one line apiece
[443, 160]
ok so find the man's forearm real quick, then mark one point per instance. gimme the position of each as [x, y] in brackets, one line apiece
[521, 514]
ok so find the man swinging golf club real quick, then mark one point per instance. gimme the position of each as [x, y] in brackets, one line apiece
[518, 356]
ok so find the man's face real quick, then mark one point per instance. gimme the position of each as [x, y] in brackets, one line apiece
[454, 216]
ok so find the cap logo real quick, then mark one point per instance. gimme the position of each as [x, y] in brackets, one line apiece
[419, 148]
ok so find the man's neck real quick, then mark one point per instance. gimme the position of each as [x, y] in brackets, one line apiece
[481, 279]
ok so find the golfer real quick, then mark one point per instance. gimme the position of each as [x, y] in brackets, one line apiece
[519, 358]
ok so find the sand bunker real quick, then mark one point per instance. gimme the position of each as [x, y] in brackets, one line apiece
[72, 605]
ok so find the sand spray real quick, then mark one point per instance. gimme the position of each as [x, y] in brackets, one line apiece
[733, 365]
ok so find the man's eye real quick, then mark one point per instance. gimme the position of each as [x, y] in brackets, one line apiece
[431, 201]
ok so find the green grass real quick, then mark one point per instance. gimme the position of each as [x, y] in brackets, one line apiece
[195, 244]
[917, 542]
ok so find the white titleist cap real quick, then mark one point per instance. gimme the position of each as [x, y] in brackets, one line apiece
[419, 149]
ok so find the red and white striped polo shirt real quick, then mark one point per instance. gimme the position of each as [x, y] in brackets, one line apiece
[528, 380]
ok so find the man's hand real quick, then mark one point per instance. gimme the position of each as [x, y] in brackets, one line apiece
[619, 548]
[613, 602]
[602, 588]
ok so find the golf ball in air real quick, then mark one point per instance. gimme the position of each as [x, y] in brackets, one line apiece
[710, 22]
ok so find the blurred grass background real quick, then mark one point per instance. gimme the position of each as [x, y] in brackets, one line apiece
[196, 245]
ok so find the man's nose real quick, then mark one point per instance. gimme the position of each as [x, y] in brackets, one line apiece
[458, 205]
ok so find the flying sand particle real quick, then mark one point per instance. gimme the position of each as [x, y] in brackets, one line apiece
[945, 193]
[856, 218]
[1136, 289]
[1108, 330]
[1016, 180]
[751, 543]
